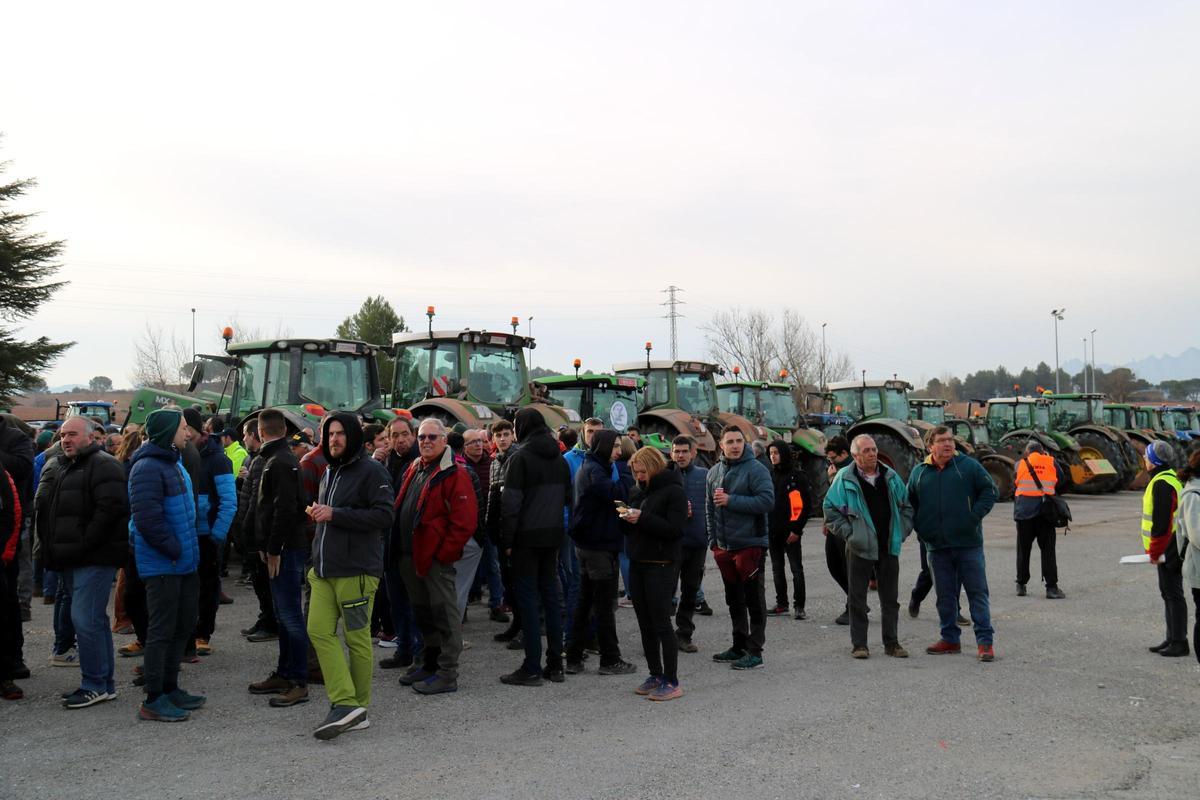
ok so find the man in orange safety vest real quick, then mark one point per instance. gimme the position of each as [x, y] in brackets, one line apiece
[1037, 477]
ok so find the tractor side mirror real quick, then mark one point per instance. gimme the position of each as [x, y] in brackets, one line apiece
[197, 376]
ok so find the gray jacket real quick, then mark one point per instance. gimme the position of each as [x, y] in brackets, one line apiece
[1187, 531]
[743, 522]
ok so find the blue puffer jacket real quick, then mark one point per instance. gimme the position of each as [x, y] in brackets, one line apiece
[594, 521]
[743, 522]
[218, 492]
[694, 480]
[162, 513]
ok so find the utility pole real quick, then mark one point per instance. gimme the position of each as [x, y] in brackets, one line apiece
[823, 324]
[193, 336]
[1057, 313]
[674, 316]
[1085, 365]
[1093, 359]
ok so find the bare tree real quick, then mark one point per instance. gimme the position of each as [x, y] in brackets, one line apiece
[763, 345]
[159, 359]
[255, 333]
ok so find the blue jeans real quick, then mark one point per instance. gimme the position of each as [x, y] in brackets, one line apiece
[408, 637]
[49, 583]
[489, 571]
[90, 589]
[287, 599]
[537, 582]
[955, 567]
[568, 575]
[64, 631]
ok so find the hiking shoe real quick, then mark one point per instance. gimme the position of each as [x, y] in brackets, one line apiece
[162, 710]
[729, 656]
[188, 702]
[415, 675]
[685, 645]
[1175, 650]
[914, 609]
[1021, 590]
[860, 652]
[961, 620]
[262, 635]
[1158, 648]
[274, 684]
[496, 615]
[748, 661]
[67, 659]
[704, 609]
[942, 647]
[10, 691]
[339, 720]
[203, 648]
[843, 618]
[361, 725]
[618, 667]
[777, 611]
[667, 690]
[294, 696]
[1054, 593]
[799, 614]
[649, 685]
[895, 651]
[435, 684]
[398, 661]
[132, 650]
[986, 653]
[554, 674]
[519, 677]
[573, 667]
[506, 635]
[82, 698]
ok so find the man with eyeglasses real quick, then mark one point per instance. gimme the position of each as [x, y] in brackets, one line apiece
[436, 515]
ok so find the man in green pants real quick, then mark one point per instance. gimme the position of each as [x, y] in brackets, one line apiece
[352, 514]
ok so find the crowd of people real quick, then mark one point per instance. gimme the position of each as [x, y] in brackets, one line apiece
[355, 534]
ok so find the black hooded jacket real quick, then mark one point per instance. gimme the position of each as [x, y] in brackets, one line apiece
[360, 491]
[16, 455]
[788, 478]
[537, 487]
[594, 515]
[279, 500]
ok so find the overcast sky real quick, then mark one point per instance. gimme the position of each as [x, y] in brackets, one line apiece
[928, 178]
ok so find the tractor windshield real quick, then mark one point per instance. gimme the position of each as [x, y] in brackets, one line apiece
[848, 402]
[732, 399]
[617, 407]
[935, 415]
[252, 380]
[1041, 418]
[1147, 419]
[335, 381]
[896, 401]
[496, 374]
[778, 409]
[696, 393]
[413, 381]
[1072, 412]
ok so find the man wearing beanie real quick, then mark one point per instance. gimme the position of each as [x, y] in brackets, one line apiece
[162, 527]
[1159, 502]
[216, 504]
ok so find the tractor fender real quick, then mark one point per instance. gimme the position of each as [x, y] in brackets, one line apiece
[1140, 437]
[810, 440]
[473, 415]
[1023, 435]
[906, 432]
[1000, 458]
[749, 430]
[1111, 434]
[295, 422]
[683, 423]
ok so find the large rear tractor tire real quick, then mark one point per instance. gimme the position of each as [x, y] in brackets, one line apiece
[1137, 476]
[1003, 475]
[816, 469]
[896, 453]
[1095, 446]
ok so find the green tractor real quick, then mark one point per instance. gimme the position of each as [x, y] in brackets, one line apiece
[681, 399]
[880, 409]
[1012, 422]
[1081, 414]
[1141, 427]
[473, 377]
[970, 438]
[304, 378]
[772, 405]
[612, 398]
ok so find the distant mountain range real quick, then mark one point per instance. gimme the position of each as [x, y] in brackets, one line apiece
[1155, 369]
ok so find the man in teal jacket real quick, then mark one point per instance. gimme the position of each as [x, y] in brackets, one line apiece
[740, 495]
[867, 508]
[951, 495]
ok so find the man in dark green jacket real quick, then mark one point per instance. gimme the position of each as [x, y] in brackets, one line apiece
[951, 494]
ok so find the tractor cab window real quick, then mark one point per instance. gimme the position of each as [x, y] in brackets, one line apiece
[729, 398]
[1023, 416]
[1069, 413]
[443, 379]
[935, 415]
[895, 403]
[848, 402]
[778, 409]
[571, 398]
[411, 380]
[1041, 418]
[1000, 417]
[252, 382]
[696, 393]
[657, 388]
[872, 403]
[336, 382]
[495, 374]
[279, 374]
[617, 407]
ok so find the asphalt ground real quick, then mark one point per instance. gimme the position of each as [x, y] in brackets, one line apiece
[1074, 706]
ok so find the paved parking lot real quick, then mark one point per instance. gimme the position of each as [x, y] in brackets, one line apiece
[1074, 706]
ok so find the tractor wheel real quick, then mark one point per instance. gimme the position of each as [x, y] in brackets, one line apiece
[816, 469]
[1139, 478]
[1002, 475]
[1095, 446]
[896, 453]
[1064, 460]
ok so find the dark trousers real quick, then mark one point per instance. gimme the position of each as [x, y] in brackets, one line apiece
[287, 596]
[1196, 628]
[653, 588]
[135, 599]
[781, 550]
[691, 575]
[835, 559]
[434, 598]
[535, 572]
[64, 629]
[262, 590]
[12, 639]
[886, 572]
[747, 601]
[1042, 531]
[924, 582]
[598, 571]
[509, 580]
[171, 601]
[1170, 586]
[209, 575]
[404, 624]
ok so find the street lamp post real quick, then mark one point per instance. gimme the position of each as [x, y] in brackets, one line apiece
[1085, 364]
[193, 336]
[1057, 313]
[823, 324]
[1093, 359]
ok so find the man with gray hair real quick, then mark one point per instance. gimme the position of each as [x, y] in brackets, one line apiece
[867, 507]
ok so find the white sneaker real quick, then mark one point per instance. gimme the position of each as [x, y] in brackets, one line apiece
[67, 659]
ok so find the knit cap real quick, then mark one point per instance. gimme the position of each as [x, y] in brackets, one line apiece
[1159, 454]
[161, 425]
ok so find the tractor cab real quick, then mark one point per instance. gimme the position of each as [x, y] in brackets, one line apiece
[612, 398]
[866, 400]
[101, 412]
[927, 410]
[766, 403]
[689, 386]
[1182, 421]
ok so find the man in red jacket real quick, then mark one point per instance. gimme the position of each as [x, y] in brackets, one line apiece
[436, 514]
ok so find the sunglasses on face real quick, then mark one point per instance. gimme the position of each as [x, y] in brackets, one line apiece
[429, 437]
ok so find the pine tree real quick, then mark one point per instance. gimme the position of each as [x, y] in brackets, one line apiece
[27, 263]
[374, 323]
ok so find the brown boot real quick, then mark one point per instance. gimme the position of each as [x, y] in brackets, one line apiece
[295, 695]
[272, 685]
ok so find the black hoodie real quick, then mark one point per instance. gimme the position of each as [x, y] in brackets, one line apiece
[360, 491]
[788, 478]
[594, 516]
[537, 487]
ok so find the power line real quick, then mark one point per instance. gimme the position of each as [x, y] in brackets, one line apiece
[674, 316]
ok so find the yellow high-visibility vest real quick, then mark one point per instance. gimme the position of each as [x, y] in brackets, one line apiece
[1167, 475]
